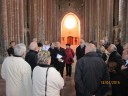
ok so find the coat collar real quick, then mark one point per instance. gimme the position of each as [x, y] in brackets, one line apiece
[92, 54]
[33, 51]
[44, 65]
[114, 52]
[16, 56]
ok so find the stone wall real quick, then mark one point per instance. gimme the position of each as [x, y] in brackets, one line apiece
[22, 20]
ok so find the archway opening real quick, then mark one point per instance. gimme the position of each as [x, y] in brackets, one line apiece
[70, 29]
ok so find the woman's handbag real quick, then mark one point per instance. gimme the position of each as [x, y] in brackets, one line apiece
[70, 59]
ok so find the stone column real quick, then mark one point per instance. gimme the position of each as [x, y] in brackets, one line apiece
[90, 19]
[127, 24]
[54, 20]
[33, 21]
[105, 18]
[49, 20]
[116, 12]
[21, 21]
[110, 20]
[123, 14]
[86, 13]
[98, 21]
[5, 24]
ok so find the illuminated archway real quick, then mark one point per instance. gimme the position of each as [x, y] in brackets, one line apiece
[70, 27]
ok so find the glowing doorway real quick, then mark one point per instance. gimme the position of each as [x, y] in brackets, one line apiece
[70, 29]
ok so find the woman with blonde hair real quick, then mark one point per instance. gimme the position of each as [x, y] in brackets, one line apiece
[47, 81]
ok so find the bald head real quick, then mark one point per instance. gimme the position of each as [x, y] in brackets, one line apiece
[58, 45]
[112, 48]
[34, 39]
[90, 48]
[33, 46]
[82, 43]
[102, 42]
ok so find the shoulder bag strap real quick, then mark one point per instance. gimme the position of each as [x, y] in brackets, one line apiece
[46, 81]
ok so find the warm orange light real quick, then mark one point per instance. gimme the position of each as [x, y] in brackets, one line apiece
[70, 22]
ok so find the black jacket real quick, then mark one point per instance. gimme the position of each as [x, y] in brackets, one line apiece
[60, 51]
[90, 71]
[10, 51]
[115, 57]
[119, 49]
[125, 72]
[53, 56]
[31, 58]
[80, 52]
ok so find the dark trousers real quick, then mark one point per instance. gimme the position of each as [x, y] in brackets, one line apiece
[68, 69]
[124, 86]
[115, 87]
[60, 68]
[116, 90]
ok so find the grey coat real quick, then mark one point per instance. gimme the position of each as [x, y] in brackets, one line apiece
[90, 71]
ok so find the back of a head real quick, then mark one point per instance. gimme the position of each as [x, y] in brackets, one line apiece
[34, 39]
[33, 46]
[82, 43]
[39, 44]
[90, 48]
[20, 49]
[93, 42]
[112, 48]
[12, 43]
[43, 57]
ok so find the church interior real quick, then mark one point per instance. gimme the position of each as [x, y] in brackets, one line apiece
[22, 20]
[66, 21]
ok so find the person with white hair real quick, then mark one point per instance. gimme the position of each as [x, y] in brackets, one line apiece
[31, 56]
[80, 50]
[47, 81]
[17, 73]
[115, 63]
[90, 71]
[34, 39]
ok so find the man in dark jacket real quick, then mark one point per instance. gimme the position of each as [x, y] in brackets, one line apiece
[124, 79]
[11, 48]
[80, 50]
[119, 46]
[115, 63]
[60, 57]
[31, 56]
[90, 72]
[52, 53]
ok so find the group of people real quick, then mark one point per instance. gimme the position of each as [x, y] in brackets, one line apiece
[101, 68]
[39, 72]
